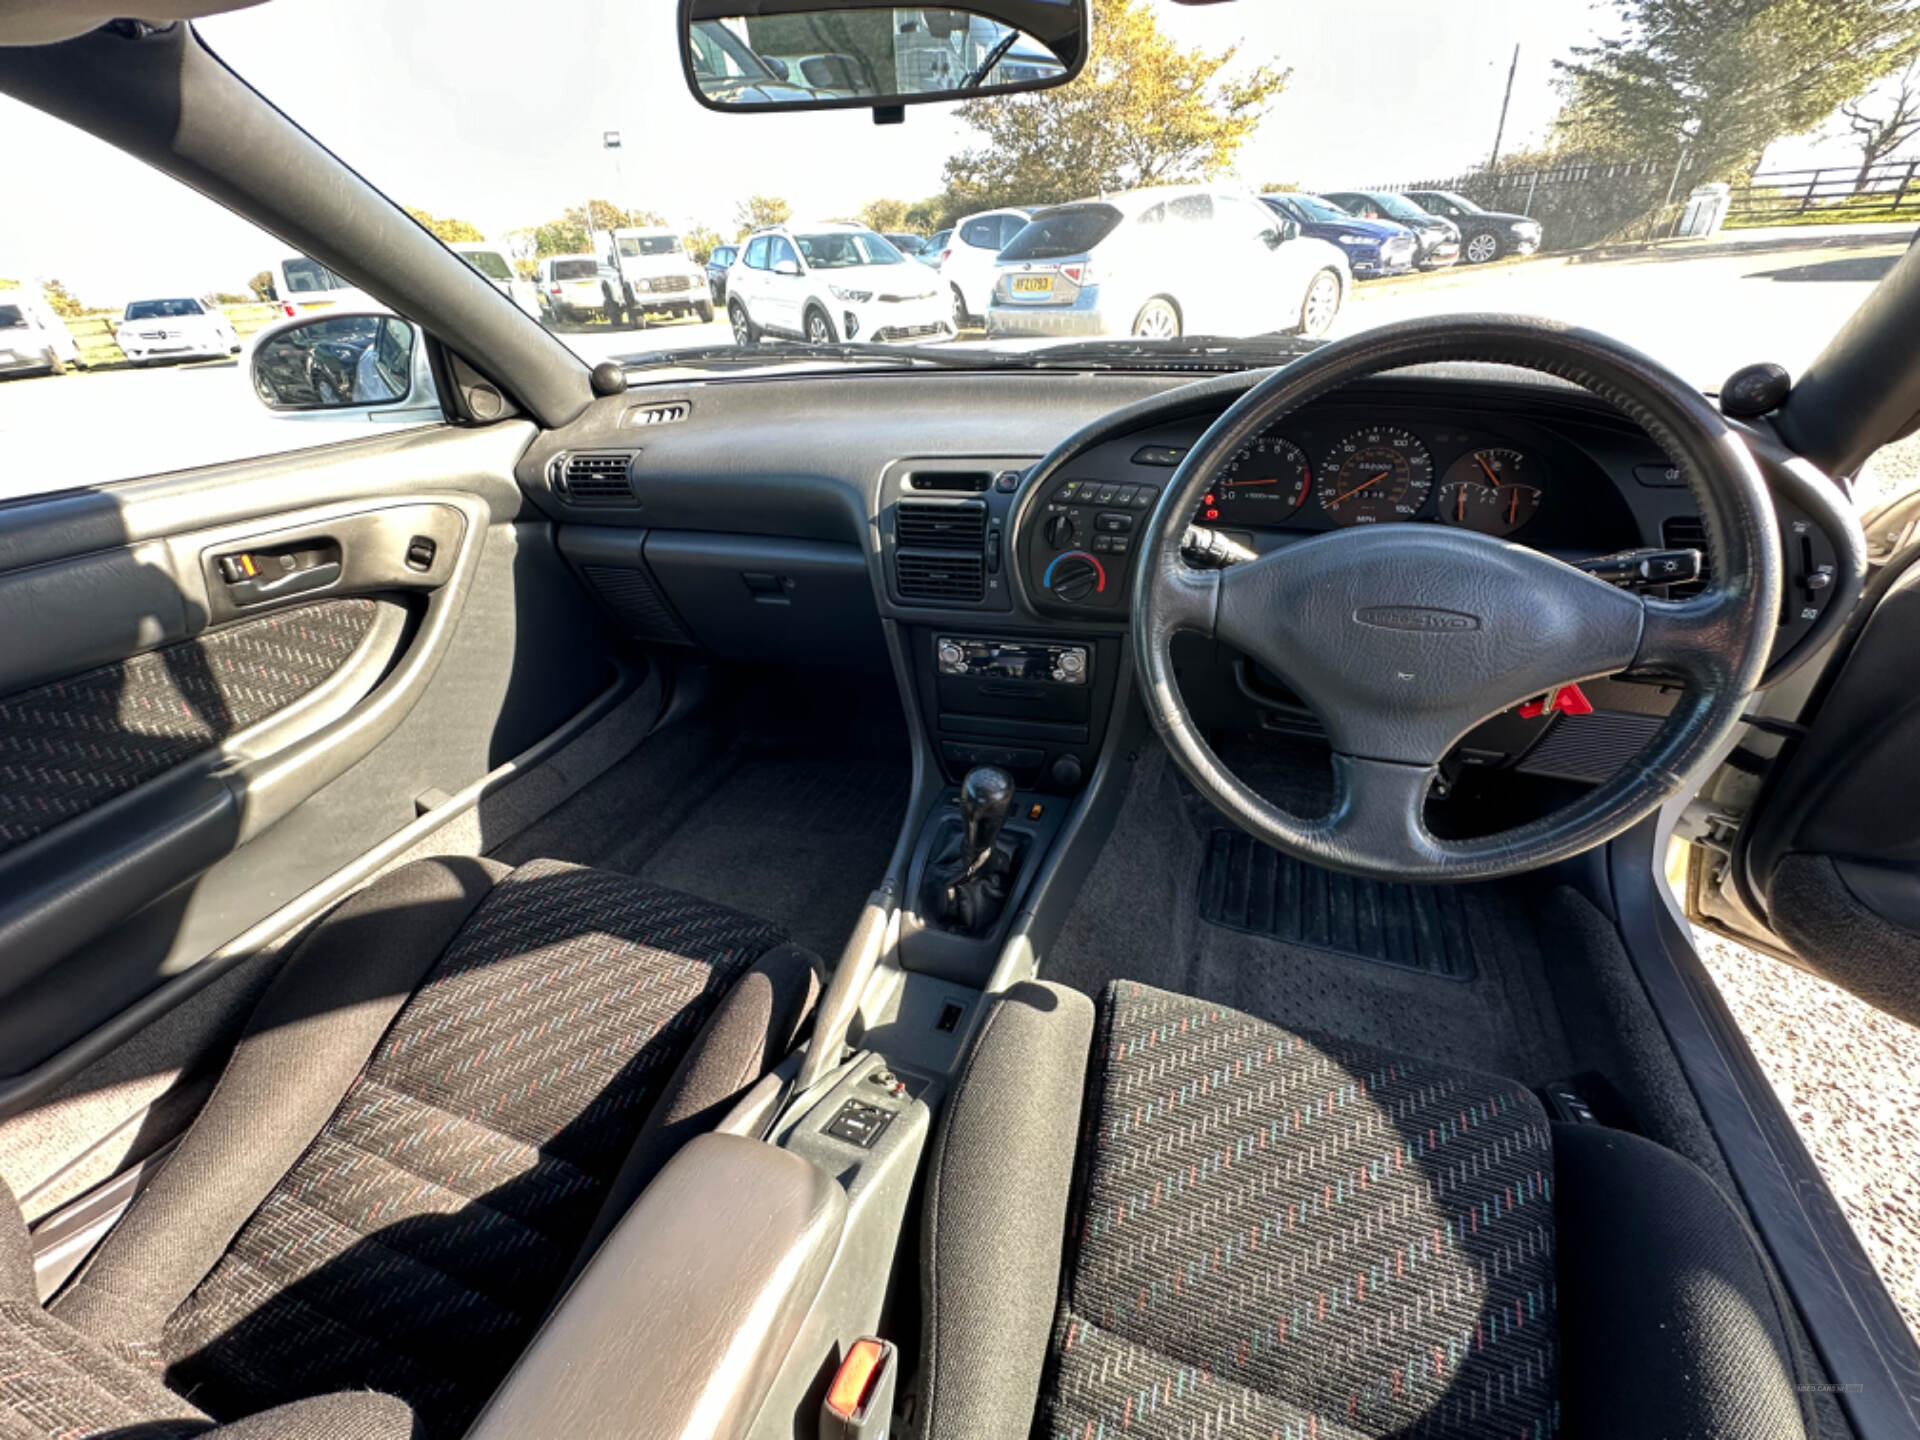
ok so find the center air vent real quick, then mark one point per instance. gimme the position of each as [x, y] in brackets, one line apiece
[926, 525]
[956, 578]
[594, 477]
[1688, 532]
[662, 414]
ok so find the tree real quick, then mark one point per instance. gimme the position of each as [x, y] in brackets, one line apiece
[1893, 120]
[885, 215]
[446, 227]
[1142, 112]
[757, 210]
[262, 286]
[929, 215]
[62, 301]
[1724, 78]
[568, 234]
[700, 241]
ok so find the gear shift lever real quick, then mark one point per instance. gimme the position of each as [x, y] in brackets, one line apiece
[986, 795]
[972, 870]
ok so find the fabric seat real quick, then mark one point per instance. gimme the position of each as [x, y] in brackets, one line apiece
[453, 1088]
[1269, 1234]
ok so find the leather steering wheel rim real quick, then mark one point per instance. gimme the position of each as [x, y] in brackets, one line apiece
[1402, 637]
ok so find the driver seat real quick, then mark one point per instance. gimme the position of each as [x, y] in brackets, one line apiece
[1171, 1219]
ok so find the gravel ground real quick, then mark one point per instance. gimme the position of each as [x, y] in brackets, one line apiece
[1846, 1074]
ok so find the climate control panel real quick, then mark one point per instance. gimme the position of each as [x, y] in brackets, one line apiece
[1080, 542]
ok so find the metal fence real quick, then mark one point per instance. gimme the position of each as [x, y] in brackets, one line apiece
[1888, 191]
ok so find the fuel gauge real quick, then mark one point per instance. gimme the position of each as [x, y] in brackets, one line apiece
[1493, 491]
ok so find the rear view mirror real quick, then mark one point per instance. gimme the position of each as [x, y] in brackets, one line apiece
[371, 366]
[841, 54]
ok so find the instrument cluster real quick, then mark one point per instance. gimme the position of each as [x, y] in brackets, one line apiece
[1377, 474]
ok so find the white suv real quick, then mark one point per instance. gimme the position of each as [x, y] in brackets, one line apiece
[656, 274]
[831, 282]
[967, 264]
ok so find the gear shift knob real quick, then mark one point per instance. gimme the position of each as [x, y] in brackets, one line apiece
[986, 795]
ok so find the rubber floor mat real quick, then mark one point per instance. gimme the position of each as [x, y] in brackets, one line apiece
[1247, 886]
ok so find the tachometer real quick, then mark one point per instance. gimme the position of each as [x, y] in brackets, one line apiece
[1380, 473]
[1261, 485]
[1492, 491]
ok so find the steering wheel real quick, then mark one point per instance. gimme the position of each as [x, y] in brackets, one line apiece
[1403, 637]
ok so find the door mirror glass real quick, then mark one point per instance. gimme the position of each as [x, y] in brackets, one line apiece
[337, 362]
[858, 53]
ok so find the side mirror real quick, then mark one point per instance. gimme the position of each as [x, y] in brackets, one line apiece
[786, 267]
[888, 55]
[355, 366]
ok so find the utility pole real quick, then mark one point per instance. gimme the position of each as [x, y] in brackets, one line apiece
[1500, 133]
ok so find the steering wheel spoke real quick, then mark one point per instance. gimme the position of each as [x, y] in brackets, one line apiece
[1689, 640]
[1378, 814]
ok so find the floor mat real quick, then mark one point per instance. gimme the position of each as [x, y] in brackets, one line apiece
[1247, 886]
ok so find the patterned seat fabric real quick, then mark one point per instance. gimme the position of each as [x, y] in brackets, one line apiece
[56, 1384]
[416, 1244]
[1275, 1235]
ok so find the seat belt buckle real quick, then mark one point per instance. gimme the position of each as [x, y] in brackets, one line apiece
[859, 1403]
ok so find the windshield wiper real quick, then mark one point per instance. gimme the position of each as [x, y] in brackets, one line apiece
[994, 57]
[933, 357]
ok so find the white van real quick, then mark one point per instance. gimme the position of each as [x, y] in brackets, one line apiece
[492, 261]
[298, 285]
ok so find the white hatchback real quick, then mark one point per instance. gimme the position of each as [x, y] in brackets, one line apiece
[1160, 263]
[832, 282]
[180, 328]
[967, 264]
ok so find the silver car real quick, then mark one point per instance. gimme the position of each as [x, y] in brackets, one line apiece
[32, 341]
[1179, 260]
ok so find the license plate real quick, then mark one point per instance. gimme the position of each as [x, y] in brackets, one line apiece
[1033, 284]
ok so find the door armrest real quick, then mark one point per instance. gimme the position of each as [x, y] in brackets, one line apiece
[680, 1322]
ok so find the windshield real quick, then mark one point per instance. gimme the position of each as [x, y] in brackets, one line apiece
[306, 276]
[1741, 218]
[839, 249]
[162, 309]
[490, 263]
[11, 318]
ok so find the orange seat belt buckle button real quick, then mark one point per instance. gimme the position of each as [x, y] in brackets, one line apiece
[859, 1403]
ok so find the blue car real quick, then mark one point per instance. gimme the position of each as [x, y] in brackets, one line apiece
[1373, 247]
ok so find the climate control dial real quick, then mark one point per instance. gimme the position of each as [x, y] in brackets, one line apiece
[1060, 531]
[1075, 576]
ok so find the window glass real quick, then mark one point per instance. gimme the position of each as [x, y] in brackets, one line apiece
[983, 232]
[580, 268]
[490, 263]
[633, 246]
[1010, 226]
[1063, 230]
[839, 249]
[757, 253]
[1190, 209]
[779, 250]
[182, 281]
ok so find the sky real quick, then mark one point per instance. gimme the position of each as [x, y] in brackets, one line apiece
[494, 112]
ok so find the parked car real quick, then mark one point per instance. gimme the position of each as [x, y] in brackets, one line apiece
[575, 287]
[299, 285]
[1166, 262]
[729, 72]
[180, 328]
[827, 76]
[654, 275]
[967, 260]
[32, 338]
[718, 263]
[831, 282]
[1437, 240]
[912, 246]
[1372, 247]
[1484, 234]
[938, 244]
[492, 263]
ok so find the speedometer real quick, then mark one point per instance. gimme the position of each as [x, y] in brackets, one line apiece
[1262, 484]
[1376, 474]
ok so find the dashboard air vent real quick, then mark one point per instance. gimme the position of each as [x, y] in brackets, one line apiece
[928, 525]
[662, 414]
[1688, 532]
[594, 477]
[953, 578]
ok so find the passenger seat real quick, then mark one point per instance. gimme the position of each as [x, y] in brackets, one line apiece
[461, 1078]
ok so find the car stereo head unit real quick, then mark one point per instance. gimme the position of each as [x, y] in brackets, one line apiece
[1013, 660]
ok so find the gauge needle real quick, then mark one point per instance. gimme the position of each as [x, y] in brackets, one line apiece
[1370, 480]
[1241, 484]
[1513, 506]
[1481, 460]
[1462, 515]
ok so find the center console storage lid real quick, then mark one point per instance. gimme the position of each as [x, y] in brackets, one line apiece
[679, 1323]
